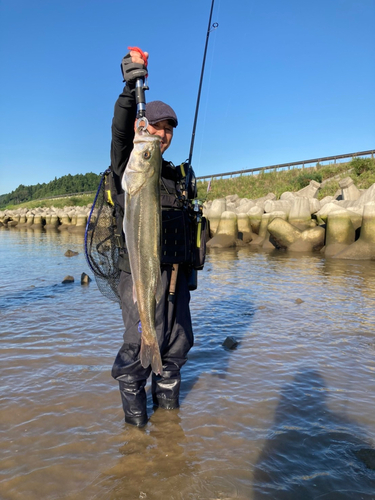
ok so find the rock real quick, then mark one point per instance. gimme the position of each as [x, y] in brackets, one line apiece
[230, 343]
[70, 253]
[68, 279]
[85, 279]
[299, 301]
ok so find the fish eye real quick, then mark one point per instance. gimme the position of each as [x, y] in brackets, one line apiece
[147, 155]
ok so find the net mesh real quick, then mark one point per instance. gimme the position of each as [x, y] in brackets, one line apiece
[101, 250]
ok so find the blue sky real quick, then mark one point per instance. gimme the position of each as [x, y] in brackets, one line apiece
[285, 80]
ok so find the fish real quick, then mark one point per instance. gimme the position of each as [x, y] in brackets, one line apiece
[142, 229]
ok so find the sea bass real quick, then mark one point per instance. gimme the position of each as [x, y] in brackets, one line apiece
[142, 226]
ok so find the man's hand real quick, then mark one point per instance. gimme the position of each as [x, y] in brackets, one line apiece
[134, 65]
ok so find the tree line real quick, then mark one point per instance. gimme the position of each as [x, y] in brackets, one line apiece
[66, 184]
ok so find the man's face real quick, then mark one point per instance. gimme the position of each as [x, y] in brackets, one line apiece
[165, 131]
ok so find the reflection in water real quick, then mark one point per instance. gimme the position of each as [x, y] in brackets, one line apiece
[151, 466]
[310, 452]
[254, 422]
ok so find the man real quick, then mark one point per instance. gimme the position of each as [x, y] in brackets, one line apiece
[172, 317]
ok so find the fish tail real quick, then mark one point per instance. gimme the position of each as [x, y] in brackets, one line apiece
[150, 355]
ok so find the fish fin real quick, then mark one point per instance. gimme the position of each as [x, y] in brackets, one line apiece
[150, 355]
[159, 289]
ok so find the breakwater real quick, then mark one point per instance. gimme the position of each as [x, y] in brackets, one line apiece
[73, 219]
[340, 226]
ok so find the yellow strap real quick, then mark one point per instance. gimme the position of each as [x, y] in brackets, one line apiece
[199, 233]
[109, 197]
[183, 173]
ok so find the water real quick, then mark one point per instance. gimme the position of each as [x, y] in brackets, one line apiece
[289, 414]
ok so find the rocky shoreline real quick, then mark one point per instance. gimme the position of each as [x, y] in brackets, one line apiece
[340, 226]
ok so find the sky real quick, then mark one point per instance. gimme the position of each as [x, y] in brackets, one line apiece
[284, 81]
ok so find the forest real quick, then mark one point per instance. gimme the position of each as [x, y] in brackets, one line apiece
[67, 184]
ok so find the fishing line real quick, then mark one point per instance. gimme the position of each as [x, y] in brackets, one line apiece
[203, 127]
[211, 27]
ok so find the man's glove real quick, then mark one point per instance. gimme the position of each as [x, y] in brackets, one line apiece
[131, 71]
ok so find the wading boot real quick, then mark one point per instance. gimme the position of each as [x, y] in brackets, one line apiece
[166, 389]
[134, 402]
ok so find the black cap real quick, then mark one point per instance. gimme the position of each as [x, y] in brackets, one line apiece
[157, 111]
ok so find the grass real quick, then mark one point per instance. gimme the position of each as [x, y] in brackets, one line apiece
[69, 201]
[257, 186]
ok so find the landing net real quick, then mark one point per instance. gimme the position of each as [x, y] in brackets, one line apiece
[101, 250]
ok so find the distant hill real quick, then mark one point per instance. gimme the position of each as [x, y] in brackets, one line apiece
[67, 184]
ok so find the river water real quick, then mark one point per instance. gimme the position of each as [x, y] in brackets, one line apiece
[288, 414]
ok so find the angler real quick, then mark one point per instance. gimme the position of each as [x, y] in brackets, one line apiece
[180, 256]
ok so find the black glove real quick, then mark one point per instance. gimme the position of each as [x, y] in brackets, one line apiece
[131, 71]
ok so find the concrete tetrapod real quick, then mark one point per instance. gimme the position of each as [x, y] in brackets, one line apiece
[217, 208]
[244, 227]
[364, 247]
[288, 236]
[340, 232]
[226, 234]
[300, 215]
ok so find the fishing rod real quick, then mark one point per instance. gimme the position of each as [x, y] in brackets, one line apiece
[209, 29]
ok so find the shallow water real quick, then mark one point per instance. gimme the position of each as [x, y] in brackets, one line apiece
[289, 414]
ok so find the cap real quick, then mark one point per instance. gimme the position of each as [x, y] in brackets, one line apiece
[157, 111]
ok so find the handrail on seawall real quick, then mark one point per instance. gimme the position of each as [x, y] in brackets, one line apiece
[295, 164]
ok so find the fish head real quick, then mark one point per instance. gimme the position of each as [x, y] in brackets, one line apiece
[144, 162]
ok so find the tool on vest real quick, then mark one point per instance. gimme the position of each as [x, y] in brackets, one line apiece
[140, 87]
[173, 283]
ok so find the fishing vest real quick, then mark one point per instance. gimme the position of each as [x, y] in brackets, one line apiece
[182, 236]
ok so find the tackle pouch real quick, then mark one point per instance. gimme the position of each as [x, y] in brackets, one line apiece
[176, 237]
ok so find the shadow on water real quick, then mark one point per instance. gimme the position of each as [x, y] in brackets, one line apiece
[312, 452]
[221, 310]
